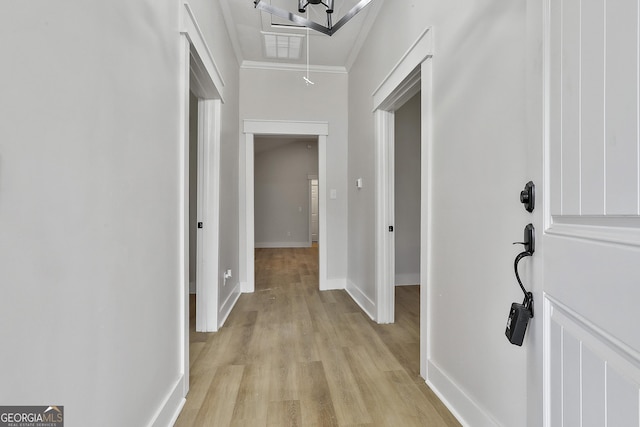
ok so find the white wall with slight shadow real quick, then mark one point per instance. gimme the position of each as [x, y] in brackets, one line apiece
[281, 190]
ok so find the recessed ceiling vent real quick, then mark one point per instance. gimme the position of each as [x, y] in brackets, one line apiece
[282, 46]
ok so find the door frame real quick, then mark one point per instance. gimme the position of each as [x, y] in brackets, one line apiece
[198, 73]
[310, 179]
[537, 167]
[251, 128]
[409, 76]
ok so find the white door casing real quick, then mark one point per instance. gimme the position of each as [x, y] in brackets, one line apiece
[590, 277]
[199, 73]
[412, 74]
[246, 184]
[313, 210]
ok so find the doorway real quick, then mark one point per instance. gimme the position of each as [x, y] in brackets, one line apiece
[406, 193]
[409, 77]
[314, 212]
[258, 128]
[198, 76]
[282, 212]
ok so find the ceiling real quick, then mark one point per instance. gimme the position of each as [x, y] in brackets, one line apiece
[338, 50]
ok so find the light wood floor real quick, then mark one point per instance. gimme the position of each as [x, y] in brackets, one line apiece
[290, 355]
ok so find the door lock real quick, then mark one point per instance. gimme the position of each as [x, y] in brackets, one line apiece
[528, 196]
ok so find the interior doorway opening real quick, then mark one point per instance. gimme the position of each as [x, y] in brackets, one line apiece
[410, 76]
[406, 193]
[406, 215]
[314, 210]
[198, 77]
[283, 208]
[253, 130]
[284, 168]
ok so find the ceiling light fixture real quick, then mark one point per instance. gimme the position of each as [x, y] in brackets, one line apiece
[329, 29]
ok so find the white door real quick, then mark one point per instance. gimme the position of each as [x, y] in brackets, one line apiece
[591, 244]
[314, 210]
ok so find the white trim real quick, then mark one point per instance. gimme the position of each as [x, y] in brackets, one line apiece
[462, 406]
[421, 49]
[246, 223]
[323, 232]
[364, 302]
[384, 240]
[267, 245]
[192, 31]
[169, 410]
[194, 50]
[310, 179]
[207, 280]
[412, 73]
[426, 214]
[246, 191]
[183, 208]
[624, 358]
[616, 230]
[407, 279]
[545, 394]
[229, 303]
[284, 127]
[334, 284]
[406, 90]
[279, 66]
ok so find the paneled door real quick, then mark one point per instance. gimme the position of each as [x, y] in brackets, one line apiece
[591, 241]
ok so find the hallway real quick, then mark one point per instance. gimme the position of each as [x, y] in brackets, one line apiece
[290, 355]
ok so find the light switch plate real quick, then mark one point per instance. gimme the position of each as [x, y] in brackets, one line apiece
[333, 194]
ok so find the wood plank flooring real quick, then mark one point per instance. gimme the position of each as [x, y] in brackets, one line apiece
[290, 355]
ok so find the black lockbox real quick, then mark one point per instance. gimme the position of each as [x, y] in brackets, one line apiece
[517, 323]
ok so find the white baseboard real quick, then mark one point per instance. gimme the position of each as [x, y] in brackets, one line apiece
[461, 405]
[245, 288]
[333, 284]
[407, 279]
[263, 245]
[361, 299]
[228, 305]
[169, 411]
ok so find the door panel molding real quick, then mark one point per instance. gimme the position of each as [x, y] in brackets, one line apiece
[593, 372]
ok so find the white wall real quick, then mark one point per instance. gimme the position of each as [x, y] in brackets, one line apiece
[89, 205]
[407, 193]
[281, 190]
[283, 95]
[478, 157]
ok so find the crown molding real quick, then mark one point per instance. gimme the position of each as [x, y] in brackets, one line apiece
[257, 65]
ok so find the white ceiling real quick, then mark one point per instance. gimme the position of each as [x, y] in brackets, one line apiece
[338, 50]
